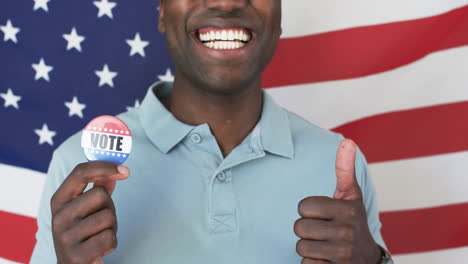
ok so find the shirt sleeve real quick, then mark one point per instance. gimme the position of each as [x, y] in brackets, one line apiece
[44, 251]
[369, 199]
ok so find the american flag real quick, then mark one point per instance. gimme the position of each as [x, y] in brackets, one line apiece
[392, 75]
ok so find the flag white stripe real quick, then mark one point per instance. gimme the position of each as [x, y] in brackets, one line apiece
[5, 261]
[302, 18]
[401, 185]
[20, 190]
[436, 79]
[421, 182]
[450, 256]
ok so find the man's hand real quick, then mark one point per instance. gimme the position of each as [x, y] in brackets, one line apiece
[335, 230]
[84, 225]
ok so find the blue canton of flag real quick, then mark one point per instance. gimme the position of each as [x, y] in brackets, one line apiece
[65, 62]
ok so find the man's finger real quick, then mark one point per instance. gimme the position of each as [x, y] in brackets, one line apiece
[314, 249]
[109, 185]
[98, 245]
[320, 207]
[314, 229]
[94, 224]
[314, 261]
[347, 187]
[86, 204]
[85, 173]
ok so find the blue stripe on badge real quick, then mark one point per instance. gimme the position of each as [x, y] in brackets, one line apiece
[116, 157]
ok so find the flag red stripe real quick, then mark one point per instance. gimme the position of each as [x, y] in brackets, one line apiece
[412, 133]
[426, 229]
[363, 51]
[408, 231]
[17, 237]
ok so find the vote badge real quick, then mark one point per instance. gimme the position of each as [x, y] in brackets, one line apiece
[106, 138]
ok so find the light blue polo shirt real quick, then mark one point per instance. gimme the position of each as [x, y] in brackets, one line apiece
[185, 203]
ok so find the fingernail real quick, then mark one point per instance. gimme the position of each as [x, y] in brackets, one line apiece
[347, 143]
[343, 144]
[123, 170]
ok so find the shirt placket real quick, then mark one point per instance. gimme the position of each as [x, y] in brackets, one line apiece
[222, 215]
[224, 209]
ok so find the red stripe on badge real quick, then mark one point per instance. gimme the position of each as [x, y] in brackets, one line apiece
[17, 237]
[423, 230]
[412, 133]
[363, 51]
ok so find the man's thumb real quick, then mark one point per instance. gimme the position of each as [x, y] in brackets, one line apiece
[347, 187]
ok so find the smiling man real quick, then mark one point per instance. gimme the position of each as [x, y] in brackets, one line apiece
[220, 172]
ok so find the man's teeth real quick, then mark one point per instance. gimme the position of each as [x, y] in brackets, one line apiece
[238, 35]
[224, 44]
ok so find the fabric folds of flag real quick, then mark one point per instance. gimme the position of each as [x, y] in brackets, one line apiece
[392, 76]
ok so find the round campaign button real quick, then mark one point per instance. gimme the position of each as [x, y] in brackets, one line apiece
[106, 138]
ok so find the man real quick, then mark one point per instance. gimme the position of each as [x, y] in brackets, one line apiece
[219, 171]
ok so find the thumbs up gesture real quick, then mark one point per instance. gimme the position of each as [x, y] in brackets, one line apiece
[335, 230]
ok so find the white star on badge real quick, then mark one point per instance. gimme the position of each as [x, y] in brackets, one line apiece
[42, 70]
[75, 108]
[137, 104]
[74, 40]
[41, 4]
[106, 76]
[45, 135]
[137, 45]
[167, 77]
[9, 32]
[105, 8]
[10, 99]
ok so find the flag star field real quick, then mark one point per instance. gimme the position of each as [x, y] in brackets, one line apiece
[64, 63]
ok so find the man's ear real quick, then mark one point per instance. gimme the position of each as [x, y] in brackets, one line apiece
[161, 25]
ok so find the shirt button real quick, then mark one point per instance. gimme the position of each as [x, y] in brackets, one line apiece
[195, 138]
[221, 176]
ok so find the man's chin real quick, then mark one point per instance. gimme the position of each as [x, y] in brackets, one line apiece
[228, 86]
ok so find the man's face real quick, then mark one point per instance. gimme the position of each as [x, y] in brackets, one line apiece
[221, 45]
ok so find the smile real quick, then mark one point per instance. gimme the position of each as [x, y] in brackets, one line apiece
[224, 38]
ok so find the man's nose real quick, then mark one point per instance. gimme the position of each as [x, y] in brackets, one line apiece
[226, 5]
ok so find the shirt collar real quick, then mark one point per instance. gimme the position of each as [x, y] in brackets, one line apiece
[165, 131]
[160, 126]
[275, 129]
